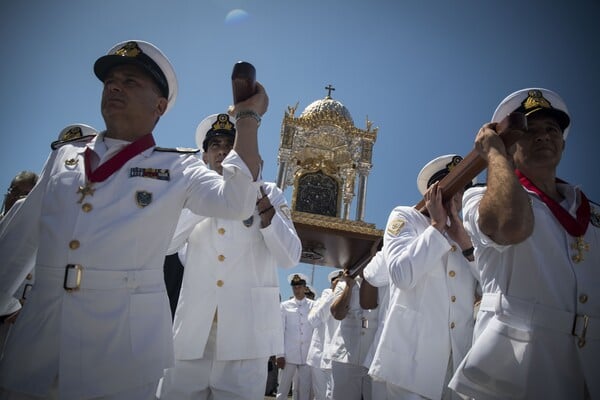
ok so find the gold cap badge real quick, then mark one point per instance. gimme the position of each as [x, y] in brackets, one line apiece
[534, 101]
[223, 123]
[130, 49]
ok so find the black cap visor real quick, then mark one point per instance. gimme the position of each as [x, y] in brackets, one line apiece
[105, 63]
[561, 117]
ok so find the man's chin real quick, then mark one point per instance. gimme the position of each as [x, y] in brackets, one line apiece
[112, 110]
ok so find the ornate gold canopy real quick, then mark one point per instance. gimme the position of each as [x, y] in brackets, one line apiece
[327, 159]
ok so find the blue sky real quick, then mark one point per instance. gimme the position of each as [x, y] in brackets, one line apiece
[427, 73]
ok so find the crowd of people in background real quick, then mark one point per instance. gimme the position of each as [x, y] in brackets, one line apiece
[132, 271]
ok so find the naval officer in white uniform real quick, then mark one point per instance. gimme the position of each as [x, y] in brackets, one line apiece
[97, 321]
[537, 244]
[297, 335]
[227, 321]
[429, 322]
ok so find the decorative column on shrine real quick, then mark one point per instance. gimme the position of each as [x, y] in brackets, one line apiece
[326, 159]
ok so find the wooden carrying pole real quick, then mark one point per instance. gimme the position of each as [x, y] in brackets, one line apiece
[360, 265]
[509, 129]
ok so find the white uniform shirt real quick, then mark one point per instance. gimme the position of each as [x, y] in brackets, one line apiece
[430, 315]
[355, 333]
[324, 325]
[297, 333]
[231, 269]
[377, 274]
[113, 333]
[538, 289]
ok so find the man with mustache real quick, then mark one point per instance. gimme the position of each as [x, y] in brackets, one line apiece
[537, 241]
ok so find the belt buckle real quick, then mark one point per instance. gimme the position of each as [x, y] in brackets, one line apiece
[78, 273]
[580, 336]
[26, 290]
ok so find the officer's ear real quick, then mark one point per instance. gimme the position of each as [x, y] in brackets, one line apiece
[161, 106]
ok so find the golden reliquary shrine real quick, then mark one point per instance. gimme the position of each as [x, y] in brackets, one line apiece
[326, 159]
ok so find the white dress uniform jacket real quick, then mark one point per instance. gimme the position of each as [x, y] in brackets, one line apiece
[536, 300]
[324, 325]
[430, 313]
[114, 333]
[297, 330]
[231, 268]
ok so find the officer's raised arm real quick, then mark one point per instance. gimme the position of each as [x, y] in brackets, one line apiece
[504, 211]
[248, 114]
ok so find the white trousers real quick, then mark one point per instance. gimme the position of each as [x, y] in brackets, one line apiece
[145, 392]
[322, 383]
[210, 379]
[379, 390]
[351, 382]
[302, 381]
[397, 393]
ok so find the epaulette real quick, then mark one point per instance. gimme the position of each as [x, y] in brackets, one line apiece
[59, 143]
[182, 150]
[594, 214]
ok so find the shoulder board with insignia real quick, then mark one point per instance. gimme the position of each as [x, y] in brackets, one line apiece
[182, 150]
[59, 143]
[395, 227]
[594, 214]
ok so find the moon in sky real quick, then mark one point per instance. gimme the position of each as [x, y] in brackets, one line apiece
[236, 16]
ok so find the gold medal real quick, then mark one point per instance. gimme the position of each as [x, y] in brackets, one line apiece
[580, 246]
[595, 217]
[85, 191]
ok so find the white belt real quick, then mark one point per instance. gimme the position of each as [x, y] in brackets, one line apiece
[579, 325]
[360, 322]
[75, 277]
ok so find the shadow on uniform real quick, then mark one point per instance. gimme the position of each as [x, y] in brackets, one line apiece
[173, 270]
